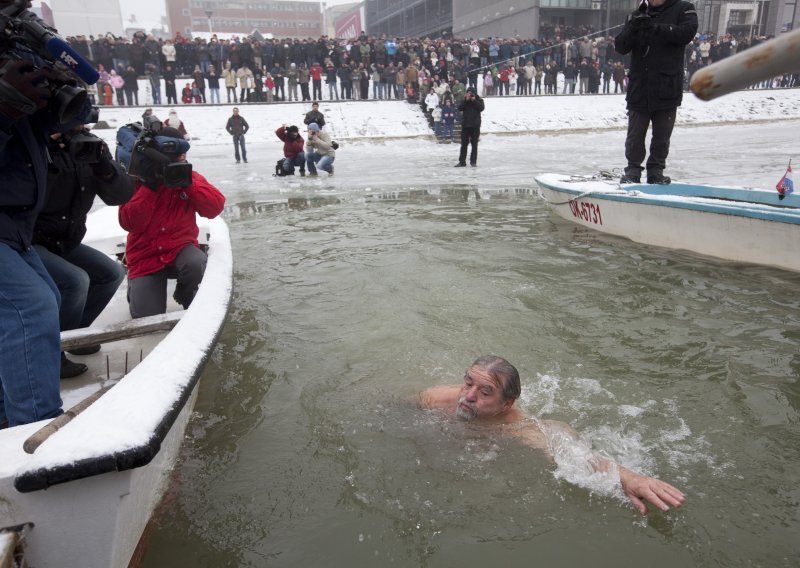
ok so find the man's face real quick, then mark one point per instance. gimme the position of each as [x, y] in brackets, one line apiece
[236, 111]
[480, 396]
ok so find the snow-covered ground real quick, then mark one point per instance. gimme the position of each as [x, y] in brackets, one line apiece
[503, 115]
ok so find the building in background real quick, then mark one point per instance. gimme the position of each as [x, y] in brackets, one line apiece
[535, 18]
[281, 19]
[409, 18]
[86, 17]
[345, 21]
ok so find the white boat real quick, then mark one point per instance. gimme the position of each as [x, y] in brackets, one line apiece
[736, 224]
[87, 492]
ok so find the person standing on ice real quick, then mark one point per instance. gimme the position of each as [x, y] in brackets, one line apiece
[237, 127]
[471, 108]
[655, 35]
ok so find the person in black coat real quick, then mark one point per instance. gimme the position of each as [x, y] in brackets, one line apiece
[471, 108]
[86, 278]
[655, 36]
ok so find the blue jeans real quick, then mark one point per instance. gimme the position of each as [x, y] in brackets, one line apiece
[314, 159]
[86, 279]
[30, 360]
[299, 161]
[238, 142]
[214, 96]
[448, 129]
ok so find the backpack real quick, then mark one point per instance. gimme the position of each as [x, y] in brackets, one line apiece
[280, 172]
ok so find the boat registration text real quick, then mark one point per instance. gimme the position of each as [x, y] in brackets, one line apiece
[589, 212]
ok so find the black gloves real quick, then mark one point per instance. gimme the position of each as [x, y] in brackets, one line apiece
[24, 88]
[641, 22]
[104, 169]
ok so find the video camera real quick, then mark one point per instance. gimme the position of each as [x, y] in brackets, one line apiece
[83, 145]
[146, 154]
[23, 30]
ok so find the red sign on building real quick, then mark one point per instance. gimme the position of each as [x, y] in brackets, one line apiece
[349, 26]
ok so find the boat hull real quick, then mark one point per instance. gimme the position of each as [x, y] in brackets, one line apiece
[91, 488]
[729, 231]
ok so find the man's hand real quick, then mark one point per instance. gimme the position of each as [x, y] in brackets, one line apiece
[104, 169]
[640, 488]
[30, 83]
[641, 21]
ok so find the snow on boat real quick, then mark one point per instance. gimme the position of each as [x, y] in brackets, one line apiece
[87, 492]
[737, 224]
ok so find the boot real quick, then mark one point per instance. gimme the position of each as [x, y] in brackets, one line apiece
[88, 350]
[70, 369]
[658, 179]
[630, 178]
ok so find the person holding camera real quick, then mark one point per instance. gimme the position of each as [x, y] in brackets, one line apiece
[655, 35]
[320, 151]
[237, 127]
[80, 168]
[29, 299]
[471, 108]
[293, 155]
[161, 222]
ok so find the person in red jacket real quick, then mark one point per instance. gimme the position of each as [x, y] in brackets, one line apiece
[293, 154]
[316, 77]
[162, 234]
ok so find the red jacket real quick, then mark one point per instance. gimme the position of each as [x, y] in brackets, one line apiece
[290, 147]
[316, 71]
[161, 223]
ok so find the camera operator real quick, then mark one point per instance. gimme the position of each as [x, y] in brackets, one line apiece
[160, 220]
[36, 99]
[81, 167]
[471, 108]
[656, 35]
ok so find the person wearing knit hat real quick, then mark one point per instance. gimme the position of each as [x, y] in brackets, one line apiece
[293, 155]
[319, 150]
[471, 108]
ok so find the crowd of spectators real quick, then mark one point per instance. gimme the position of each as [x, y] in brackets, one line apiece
[562, 60]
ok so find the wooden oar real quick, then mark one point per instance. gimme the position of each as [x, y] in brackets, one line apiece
[117, 332]
[42, 434]
[765, 61]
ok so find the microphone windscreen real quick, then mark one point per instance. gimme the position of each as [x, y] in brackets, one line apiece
[62, 52]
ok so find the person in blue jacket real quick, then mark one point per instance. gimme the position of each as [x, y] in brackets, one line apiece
[29, 299]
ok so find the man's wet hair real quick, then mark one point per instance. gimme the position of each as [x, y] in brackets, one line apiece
[503, 373]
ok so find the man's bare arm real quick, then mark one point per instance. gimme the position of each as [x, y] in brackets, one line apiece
[639, 489]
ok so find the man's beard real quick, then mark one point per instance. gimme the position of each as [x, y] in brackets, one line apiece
[464, 413]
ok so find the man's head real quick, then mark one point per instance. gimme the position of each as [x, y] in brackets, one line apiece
[491, 386]
[313, 128]
[315, 105]
[292, 131]
[235, 111]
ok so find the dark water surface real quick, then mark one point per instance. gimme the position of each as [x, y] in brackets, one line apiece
[306, 448]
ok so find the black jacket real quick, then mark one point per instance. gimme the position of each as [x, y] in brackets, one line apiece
[71, 188]
[656, 74]
[314, 116]
[471, 110]
[237, 126]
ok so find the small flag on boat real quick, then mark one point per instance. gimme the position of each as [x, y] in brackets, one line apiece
[786, 185]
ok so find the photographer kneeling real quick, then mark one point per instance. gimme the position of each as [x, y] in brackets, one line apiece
[80, 168]
[319, 150]
[160, 219]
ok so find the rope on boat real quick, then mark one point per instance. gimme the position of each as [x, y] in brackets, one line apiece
[603, 176]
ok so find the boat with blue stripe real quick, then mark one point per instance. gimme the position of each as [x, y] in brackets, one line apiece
[731, 223]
